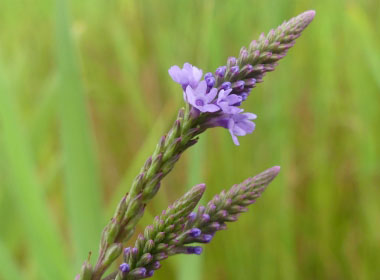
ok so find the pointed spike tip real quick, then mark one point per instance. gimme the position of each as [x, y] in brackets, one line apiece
[308, 16]
[276, 169]
[200, 187]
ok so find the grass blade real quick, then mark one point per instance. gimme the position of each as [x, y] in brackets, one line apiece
[46, 245]
[8, 268]
[83, 192]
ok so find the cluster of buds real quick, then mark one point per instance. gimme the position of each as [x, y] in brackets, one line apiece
[178, 227]
[221, 93]
[213, 101]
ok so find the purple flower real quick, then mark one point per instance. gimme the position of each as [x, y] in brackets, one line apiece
[210, 79]
[250, 82]
[244, 95]
[207, 238]
[220, 71]
[192, 216]
[149, 273]
[240, 125]
[187, 76]
[205, 218]
[200, 99]
[194, 250]
[156, 265]
[227, 102]
[195, 232]
[139, 272]
[127, 251]
[239, 85]
[225, 85]
[124, 267]
[234, 70]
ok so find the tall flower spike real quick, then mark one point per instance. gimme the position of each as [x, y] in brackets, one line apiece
[151, 247]
[171, 237]
[263, 54]
[253, 63]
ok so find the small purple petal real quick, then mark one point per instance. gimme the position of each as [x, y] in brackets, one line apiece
[124, 267]
[195, 232]
[187, 76]
[240, 125]
[192, 216]
[210, 79]
[220, 71]
[250, 82]
[149, 273]
[227, 102]
[234, 70]
[200, 99]
[211, 95]
[205, 218]
[175, 73]
[127, 251]
[226, 85]
[139, 272]
[239, 85]
[194, 250]
[210, 108]
[156, 265]
[207, 238]
[231, 60]
[244, 95]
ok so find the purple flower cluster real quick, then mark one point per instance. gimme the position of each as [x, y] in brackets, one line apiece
[224, 100]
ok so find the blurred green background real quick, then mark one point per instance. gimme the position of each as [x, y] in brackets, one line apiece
[85, 95]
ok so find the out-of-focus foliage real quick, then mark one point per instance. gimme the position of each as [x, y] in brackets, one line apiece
[85, 95]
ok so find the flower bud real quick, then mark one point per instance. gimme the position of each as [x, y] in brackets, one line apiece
[226, 85]
[221, 71]
[124, 267]
[195, 232]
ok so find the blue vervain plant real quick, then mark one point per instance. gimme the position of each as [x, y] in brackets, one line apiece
[212, 102]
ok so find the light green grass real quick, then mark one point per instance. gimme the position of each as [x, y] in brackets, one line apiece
[85, 96]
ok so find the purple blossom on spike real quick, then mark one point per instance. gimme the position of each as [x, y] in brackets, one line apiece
[156, 265]
[187, 76]
[250, 82]
[200, 99]
[139, 272]
[192, 216]
[239, 85]
[170, 234]
[194, 250]
[195, 232]
[124, 267]
[207, 238]
[231, 61]
[150, 273]
[227, 102]
[221, 71]
[234, 70]
[210, 79]
[226, 85]
[205, 218]
[240, 125]
[244, 95]
[127, 251]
